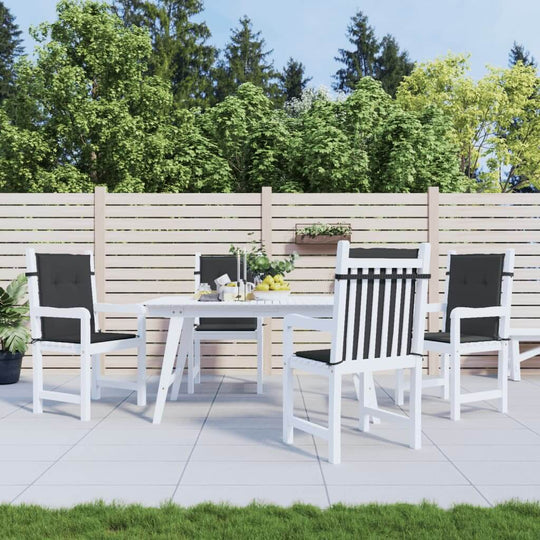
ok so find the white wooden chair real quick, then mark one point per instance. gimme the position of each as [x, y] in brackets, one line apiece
[207, 269]
[377, 324]
[476, 310]
[63, 318]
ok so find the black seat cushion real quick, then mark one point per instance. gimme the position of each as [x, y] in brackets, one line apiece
[212, 267]
[64, 281]
[475, 281]
[227, 325]
[444, 337]
[95, 337]
[319, 355]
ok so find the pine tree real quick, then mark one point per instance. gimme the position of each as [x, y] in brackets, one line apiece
[519, 54]
[245, 60]
[392, 65]
[292, 80]
[181, 52]
[370, 57]
[10, 48]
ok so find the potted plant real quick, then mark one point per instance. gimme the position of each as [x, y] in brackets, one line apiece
[14, 334]
[268, 272]
[322, 233]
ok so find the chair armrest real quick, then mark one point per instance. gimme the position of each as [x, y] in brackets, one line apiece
[307, 323]
[434, 308]
[63, 313]
[137, 309]
[68, 313]
[476, 313]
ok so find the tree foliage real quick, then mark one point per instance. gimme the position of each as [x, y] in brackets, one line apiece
[181, 54]
[292, 80]
[10, 49]
[495, 121]
[370, 57]
[518, 53]
[245, 59]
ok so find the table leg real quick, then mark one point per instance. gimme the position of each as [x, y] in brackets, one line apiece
[166, 377]
[185, 349]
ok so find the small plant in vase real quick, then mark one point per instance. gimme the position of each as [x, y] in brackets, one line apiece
[14, 334]
[268, 273]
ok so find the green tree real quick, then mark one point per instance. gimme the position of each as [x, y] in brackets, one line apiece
[370, 57]
[494, 121]
[181, 53]
[292, 81]
[85, 113]
[518, 53]
[245, 60]
[10, 49]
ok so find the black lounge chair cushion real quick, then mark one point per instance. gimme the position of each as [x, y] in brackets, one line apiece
[444, 337]
[227, 325]
[475, 282]
[319, 355]
[95, 337]
[64, 282]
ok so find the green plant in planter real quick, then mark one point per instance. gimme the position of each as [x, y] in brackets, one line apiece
[325, 229]
[261, 265]
[14, 334]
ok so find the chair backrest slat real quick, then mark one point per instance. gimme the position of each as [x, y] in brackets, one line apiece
[376, 300]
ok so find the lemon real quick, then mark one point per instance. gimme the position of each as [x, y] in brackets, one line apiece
[262, 287]
[232, 284]
[278, 278]
[269, 280]
[275, 287]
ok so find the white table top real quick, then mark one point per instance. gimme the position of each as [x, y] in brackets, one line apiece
[187, 306]
[523, 333]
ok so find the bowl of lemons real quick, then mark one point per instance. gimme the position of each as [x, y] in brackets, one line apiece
[271, 287]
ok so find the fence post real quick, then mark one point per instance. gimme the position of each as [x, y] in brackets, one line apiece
[433, 239]
[100, 193]
[266, 241]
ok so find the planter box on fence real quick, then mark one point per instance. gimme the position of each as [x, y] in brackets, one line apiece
[319, 238]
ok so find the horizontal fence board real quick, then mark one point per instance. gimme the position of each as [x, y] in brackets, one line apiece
[179, 199]
[46, 224]
[183, 224]
[341, 214]
[346, 199]
[115, 213]
[44, 212]
[46, 198]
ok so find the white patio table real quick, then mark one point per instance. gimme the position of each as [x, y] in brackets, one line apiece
[518, 335]
[183, 310]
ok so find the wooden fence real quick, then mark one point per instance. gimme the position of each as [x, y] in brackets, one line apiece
[144, 246]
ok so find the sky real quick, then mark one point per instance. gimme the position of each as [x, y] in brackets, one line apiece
[312, 31]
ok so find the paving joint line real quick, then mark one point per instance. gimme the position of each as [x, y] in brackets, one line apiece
[74, 444]
[197, 439]
[313, 439]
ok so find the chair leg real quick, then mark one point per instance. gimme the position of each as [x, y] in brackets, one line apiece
[141, 374]
[399, 392]
[96, 369]
[197, 361]
[455, 385]
[515, 368]
[37, 372]
[502, 377]
[191, 369]
[288, 403]
[363, 396]
[415, 412]
[334, 418]
[445, 374]
[260, 361]
[86, 384]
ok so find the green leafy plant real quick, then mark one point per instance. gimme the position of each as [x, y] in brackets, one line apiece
[261, 264]
[14, 334]
[325, 229]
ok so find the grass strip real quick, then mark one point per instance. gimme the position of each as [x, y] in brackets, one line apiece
[257, 521]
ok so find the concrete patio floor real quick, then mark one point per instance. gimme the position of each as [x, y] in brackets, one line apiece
[223, 444]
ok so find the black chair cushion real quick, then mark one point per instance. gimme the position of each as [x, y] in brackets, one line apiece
[319, 355]
[380, 253]
[211, 267]
[64, 281]
[227, 325]
[444, 337]
[95, 337]
[475, 281]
